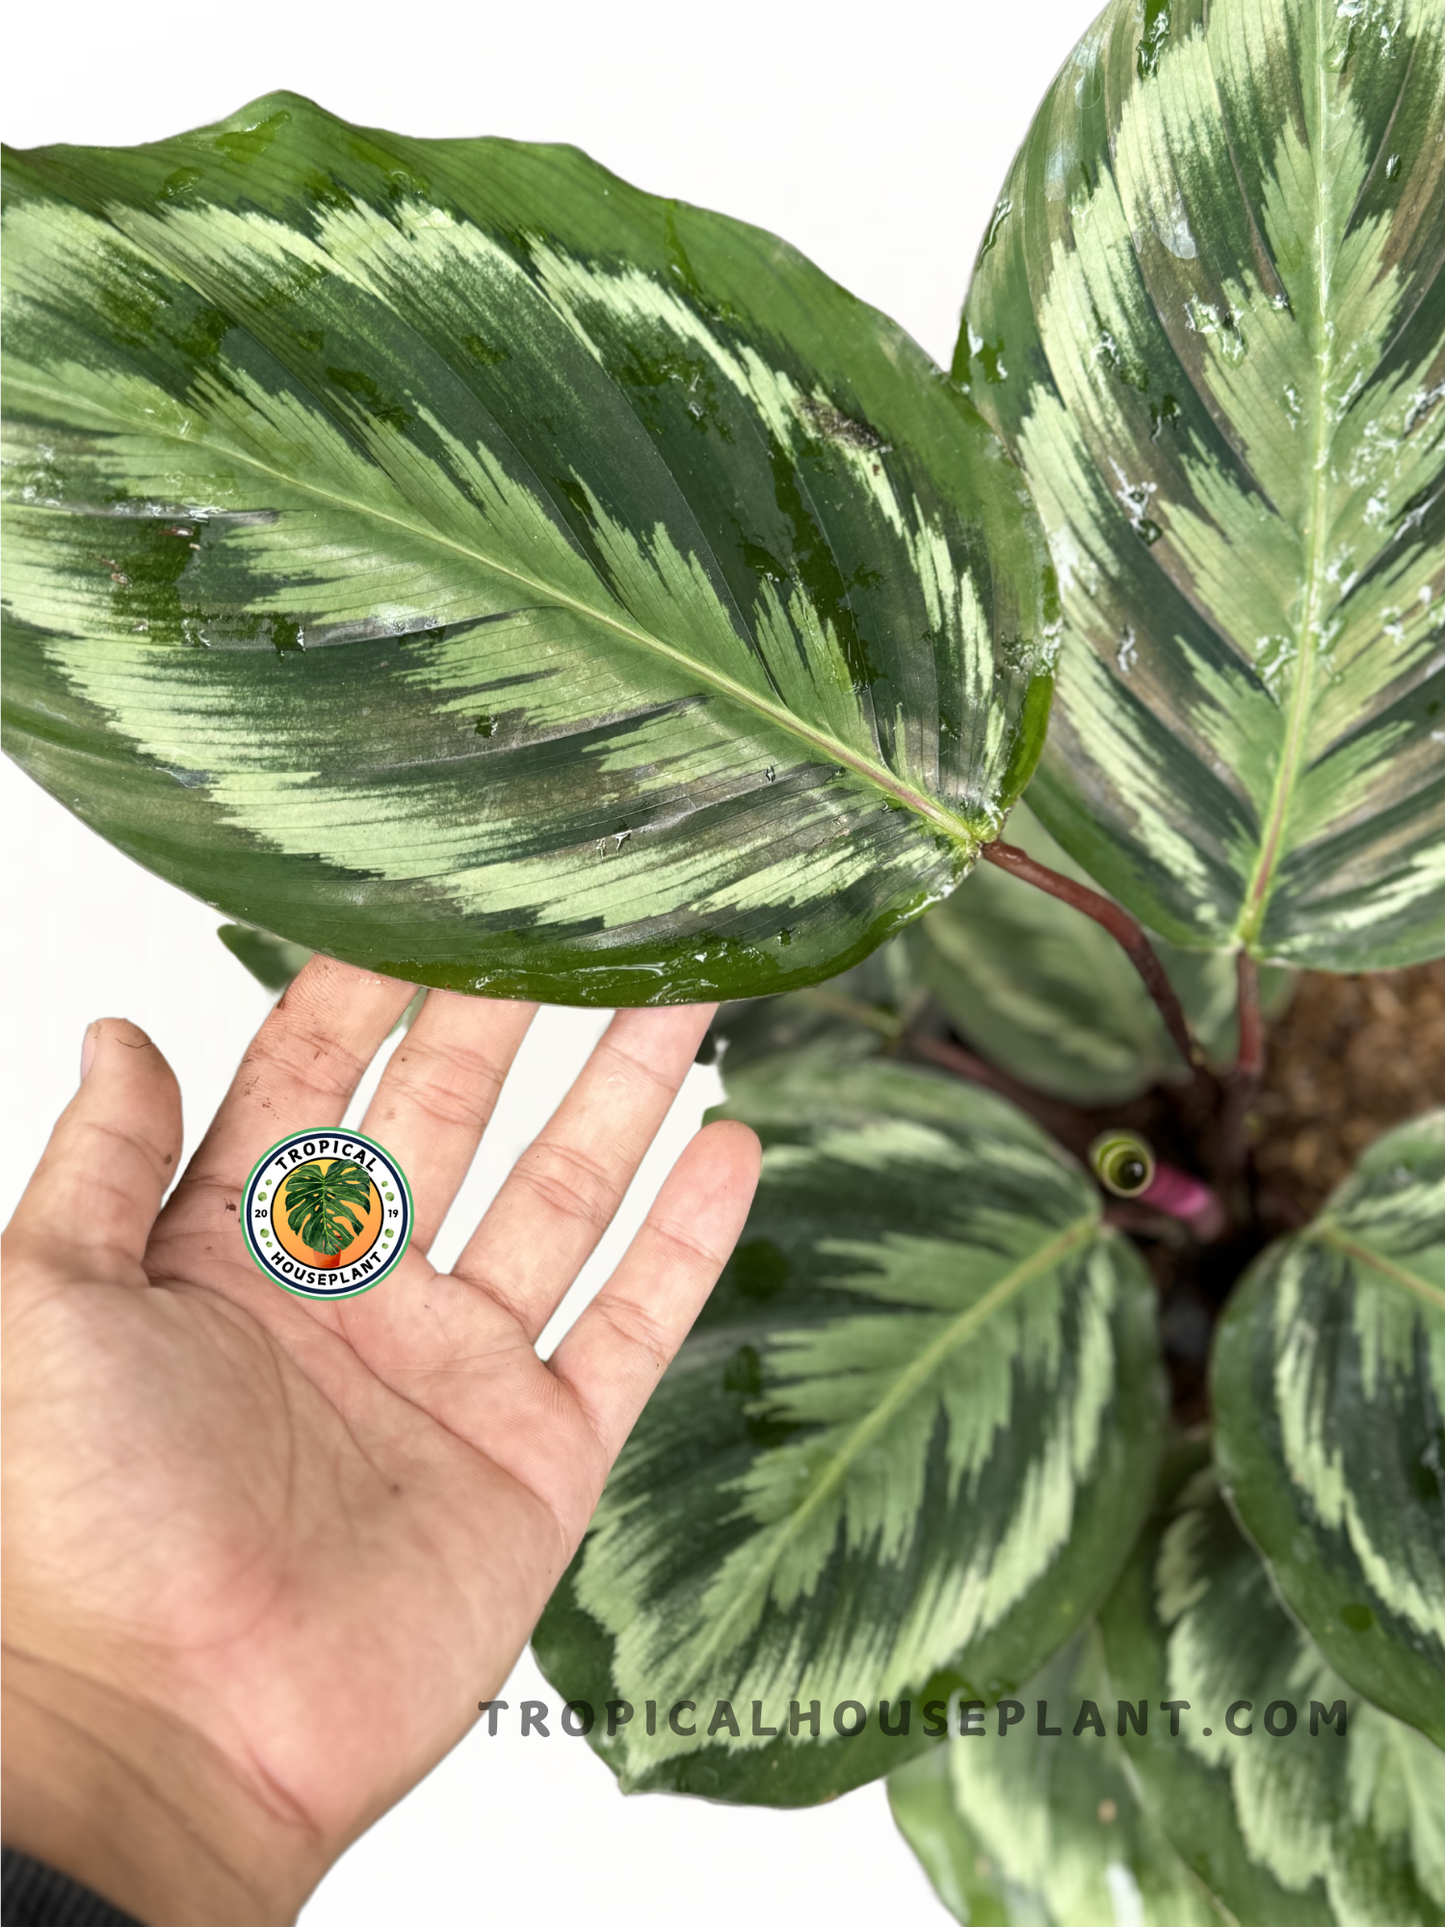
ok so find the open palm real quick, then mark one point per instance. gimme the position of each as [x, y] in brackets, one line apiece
[265, 1555]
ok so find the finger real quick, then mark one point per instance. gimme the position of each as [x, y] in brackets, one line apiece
[614, 1355]
[90, 1206]
[563, 1191]
[300, 1072]
[437, 1095]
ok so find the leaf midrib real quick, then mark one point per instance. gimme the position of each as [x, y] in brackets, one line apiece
[1257, 893]
[817, 739]
[1328, 1234]
[908, 1381]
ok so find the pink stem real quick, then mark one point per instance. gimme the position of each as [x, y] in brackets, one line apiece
[1128, 934]
[1187, 1198]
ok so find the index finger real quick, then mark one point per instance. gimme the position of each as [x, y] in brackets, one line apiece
[300, 1072]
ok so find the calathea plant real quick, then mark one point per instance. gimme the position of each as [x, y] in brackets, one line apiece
[441, 554]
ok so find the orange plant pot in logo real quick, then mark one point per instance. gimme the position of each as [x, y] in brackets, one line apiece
[327, 1214]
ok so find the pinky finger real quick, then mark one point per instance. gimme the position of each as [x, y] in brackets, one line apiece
[614, 1355]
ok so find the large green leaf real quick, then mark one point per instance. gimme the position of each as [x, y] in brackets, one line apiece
[1329, 1385]
[1047, 994]
[447, 557]
[1209, 317]
[1023, 1830]
[905, 1449]
[1294, 1824]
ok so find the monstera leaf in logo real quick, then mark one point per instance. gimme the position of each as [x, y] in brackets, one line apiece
[322, 1202]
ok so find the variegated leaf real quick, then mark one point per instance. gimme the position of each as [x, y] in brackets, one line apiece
[906, 1447]
[1045, 993]
[447, 557]
[1293, 1819]
[1329, 1385]
[1019, 1830]
[1209, 316]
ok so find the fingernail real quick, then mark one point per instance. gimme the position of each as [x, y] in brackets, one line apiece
[87, 1052]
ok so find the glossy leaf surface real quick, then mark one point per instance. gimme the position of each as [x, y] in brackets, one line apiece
[1209, 317]
[1288, 1821]
[1045, 993]
[1023, 1831]
[447, 557]
[1329, 1384]
[906, 1447]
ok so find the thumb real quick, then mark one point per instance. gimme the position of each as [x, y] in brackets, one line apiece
[88, 1211]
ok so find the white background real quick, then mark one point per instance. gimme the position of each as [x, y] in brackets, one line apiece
[876, 139]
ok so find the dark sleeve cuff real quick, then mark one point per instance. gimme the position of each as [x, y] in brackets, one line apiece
[34, 1895]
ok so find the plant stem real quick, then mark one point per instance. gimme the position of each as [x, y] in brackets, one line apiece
[1251, 1021]
[1245, 1077]
[1072, 1129]
[844, 1006]
[1119, 924]
[1190, 1204]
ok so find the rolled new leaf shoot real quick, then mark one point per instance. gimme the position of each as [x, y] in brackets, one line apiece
[1123, 1163]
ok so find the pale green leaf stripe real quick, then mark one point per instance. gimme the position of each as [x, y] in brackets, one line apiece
[908, 1441]
[1329, 1384]
[1293, 1826]
[1209, 317]
[1043, 1832]
[447, 557]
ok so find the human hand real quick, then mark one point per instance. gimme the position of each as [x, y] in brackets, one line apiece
[263, 1554]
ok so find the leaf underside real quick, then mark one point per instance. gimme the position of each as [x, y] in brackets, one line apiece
[1329, 1385]
[447, 557]
[1209, 318]
[908, 1442]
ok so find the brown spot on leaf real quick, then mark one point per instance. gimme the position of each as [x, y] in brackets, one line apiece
[832, 423]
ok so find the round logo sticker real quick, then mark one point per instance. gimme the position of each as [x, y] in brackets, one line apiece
[327, 1214]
